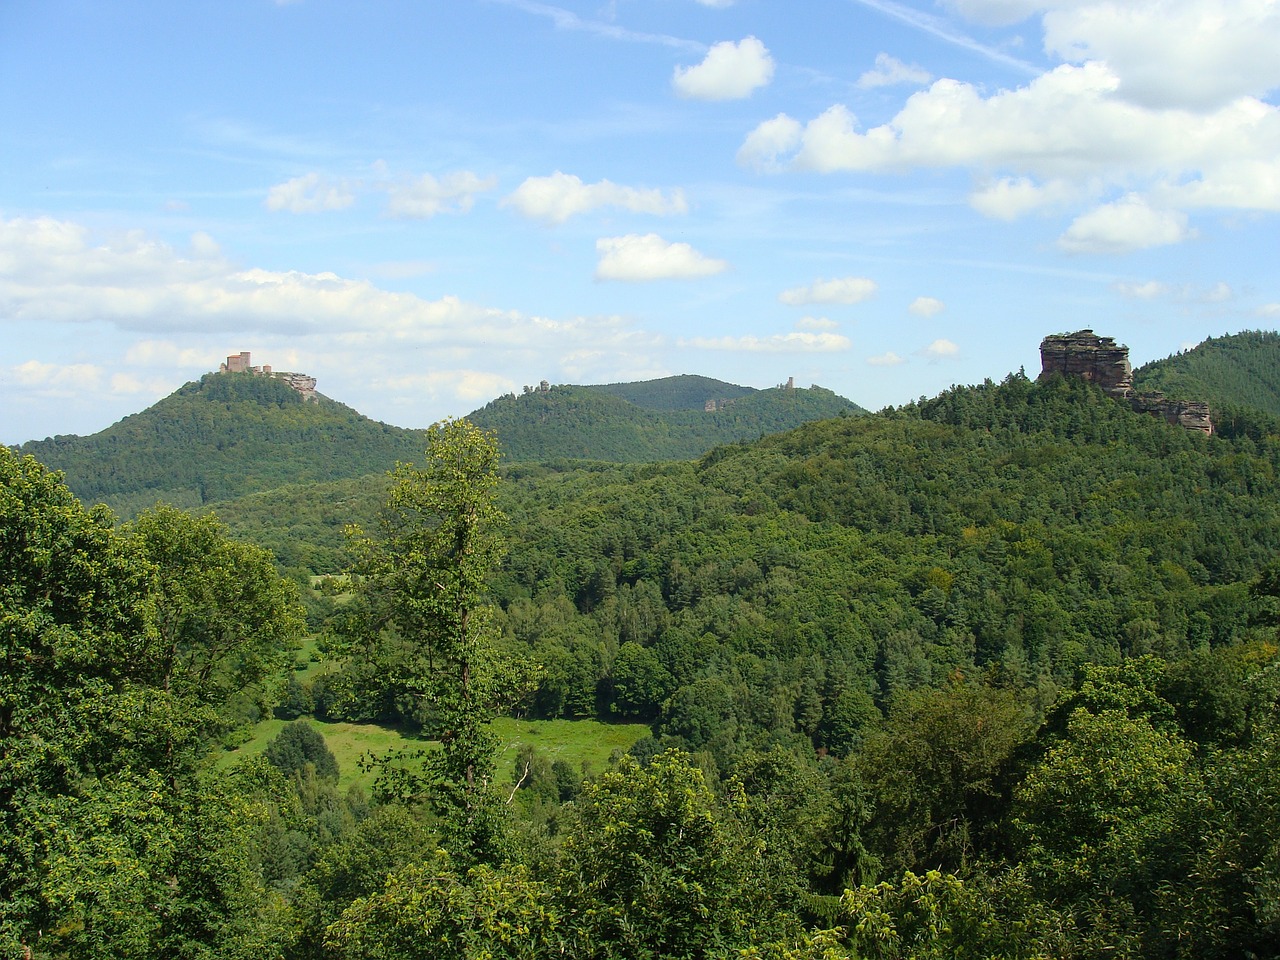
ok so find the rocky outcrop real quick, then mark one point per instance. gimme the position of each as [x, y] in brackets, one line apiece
[1102, 361]
[304, 384]
[1189, 414]
[1086, 355]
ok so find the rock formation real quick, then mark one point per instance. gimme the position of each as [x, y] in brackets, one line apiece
[1086, 355]
[1190, 414]
[1100, 360]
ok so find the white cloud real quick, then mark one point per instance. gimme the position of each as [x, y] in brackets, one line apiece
[839, 290]
[940, 349]
[1010, 197]
[1166, 53]
[926, 306]
[1144, 290]
[769, 142]
[649, 257]
[56, 272]
[1126, 225]
[793, 342]
[52, 379]
[427, 195]
[730, 71]
[560, 196]
[1065, 135]
[718, 4]
[310, 193]
[1173, 53]
[167, 354]
[816, 323]
[889, 359]
[1269, 310]
[890, 71]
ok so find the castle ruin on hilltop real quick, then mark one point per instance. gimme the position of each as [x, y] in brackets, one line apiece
[1101, 360]
[242, 363]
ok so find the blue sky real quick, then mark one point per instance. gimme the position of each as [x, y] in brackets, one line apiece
[426, 204]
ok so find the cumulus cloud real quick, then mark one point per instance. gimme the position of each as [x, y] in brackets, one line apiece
[889, 359]
[940, 349]
[890, 71]
[310, 193]
[1166, 53]
[560, 196]
[767, 145]
[649, 257]
[926, 306]
[730, 71]
[796, 341]
[427, 195]
[1126, 225]
[839, 290]
[1173, 53]
[1011, 197]
[1066, 136]
[55, 271]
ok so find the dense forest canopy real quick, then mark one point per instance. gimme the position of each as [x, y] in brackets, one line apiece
[995, 674]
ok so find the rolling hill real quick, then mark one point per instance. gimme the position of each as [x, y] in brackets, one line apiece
[1239, 370]
[233, 435]
[225, 436]
[676, 418]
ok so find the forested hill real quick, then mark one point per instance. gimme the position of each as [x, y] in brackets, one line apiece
[643, 422]
[685, 392]
[1239, 370]
[228, 435]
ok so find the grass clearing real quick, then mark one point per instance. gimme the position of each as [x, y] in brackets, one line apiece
[585, 744]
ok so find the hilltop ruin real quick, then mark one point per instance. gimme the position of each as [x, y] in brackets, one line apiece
[242, 363]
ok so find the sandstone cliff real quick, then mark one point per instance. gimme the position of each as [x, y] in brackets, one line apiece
[1102, 361]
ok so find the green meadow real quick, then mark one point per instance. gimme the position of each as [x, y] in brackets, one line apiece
[584, 744]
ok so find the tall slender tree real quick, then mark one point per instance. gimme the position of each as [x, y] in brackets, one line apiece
[423, 579]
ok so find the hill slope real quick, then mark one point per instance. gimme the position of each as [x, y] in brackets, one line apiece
[649, 421]
[1240, 370]
[226, 436]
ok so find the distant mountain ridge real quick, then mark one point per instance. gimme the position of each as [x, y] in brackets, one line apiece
[232, 434]
[675, 418]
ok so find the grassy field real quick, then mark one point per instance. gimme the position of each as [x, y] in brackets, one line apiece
[584, 744]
